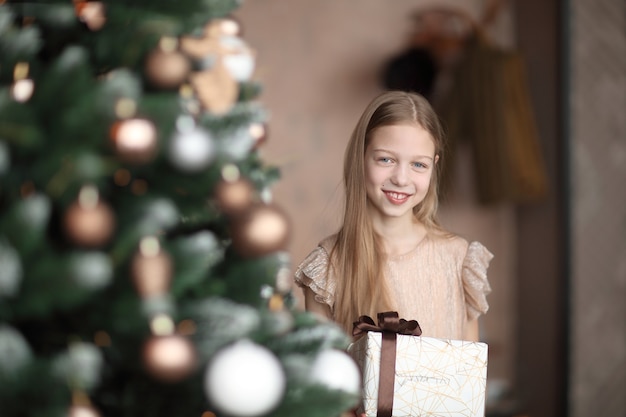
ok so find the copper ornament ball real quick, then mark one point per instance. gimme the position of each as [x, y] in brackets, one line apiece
[261, 230]
[169, 358]
[135, 140]
[92, 13]
[82, 411]
[167, 69]
[230, 26]
[89, 225]
[258, 131]
[151, 271]
[234, 197]
[22, 90]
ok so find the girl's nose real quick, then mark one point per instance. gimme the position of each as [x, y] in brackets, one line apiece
[400, 176]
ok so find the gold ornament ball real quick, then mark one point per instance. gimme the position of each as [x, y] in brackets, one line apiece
[234, 197]
[135, 140]
[151, 269]
[169, 358]
[89, 225]
[167, 69]
[276, 302]
[261, 230]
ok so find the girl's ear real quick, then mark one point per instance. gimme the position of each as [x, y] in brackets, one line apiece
[436, 158]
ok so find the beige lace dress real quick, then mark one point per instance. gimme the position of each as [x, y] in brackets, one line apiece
[442, 283]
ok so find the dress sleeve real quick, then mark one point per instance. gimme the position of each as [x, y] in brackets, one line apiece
[313, 273]
[475, 283]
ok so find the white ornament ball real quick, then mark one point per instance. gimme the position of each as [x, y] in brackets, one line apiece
[336, 370]
[240, 60]
[82, 364]
[238, 145]
[15, 353]
[11, 270]
[157, 215]
[245, 379]
[5, 158]
[192, 150]
[91, 270]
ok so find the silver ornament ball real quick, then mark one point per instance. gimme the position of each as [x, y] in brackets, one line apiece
[192, 150]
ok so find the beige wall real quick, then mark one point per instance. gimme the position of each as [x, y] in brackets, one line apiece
[319, 63]
[598, 220]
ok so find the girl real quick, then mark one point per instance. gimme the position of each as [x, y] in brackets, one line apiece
[391, 254]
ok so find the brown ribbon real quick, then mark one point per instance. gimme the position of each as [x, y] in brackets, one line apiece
[390, 325]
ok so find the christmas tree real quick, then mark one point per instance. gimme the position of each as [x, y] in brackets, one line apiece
[143, 263]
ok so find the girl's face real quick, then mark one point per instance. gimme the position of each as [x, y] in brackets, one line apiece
[399, 162]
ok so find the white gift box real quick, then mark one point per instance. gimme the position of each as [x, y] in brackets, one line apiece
[433, 377]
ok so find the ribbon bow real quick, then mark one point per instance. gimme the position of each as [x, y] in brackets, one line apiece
[390, 325]
[387, 322]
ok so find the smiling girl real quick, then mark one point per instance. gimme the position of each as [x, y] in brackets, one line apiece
[390, 253]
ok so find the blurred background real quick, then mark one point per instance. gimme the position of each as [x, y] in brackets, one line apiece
[557, 321]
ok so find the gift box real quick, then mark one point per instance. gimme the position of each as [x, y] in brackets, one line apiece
[427, 377]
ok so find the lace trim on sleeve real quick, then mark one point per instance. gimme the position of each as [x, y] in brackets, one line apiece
[313, 273]
[475, 283]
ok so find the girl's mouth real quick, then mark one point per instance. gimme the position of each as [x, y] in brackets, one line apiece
[396, 198]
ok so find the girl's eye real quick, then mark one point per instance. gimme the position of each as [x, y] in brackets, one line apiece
[420, 165]
[384, 159]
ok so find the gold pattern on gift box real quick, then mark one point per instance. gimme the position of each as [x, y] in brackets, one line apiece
[433, 376]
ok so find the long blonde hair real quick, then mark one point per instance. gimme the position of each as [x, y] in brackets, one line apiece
[357, 258]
